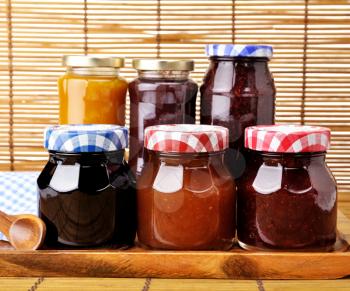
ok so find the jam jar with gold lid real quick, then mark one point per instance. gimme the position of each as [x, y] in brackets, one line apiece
[237, 91]
[87, 195]
[287, 198]
[186, 197]
[163, 93]
[92, 91]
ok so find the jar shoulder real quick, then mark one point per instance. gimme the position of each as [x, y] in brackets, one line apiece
[156, 83]
[90, 78]
[153, 91]
[88, 177]
[314, 178]
[230, 77]
[200, 177]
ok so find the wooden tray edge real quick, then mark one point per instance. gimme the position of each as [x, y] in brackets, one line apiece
[157, 264]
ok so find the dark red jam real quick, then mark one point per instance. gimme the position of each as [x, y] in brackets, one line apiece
[102, 207]
[286, 201]
[157, 100]
[237, 93]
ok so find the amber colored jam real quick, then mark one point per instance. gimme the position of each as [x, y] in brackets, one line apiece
[200, 215]
[91, 99]
[301, 213]
[156, 101]
[237, 93]
[102, 209]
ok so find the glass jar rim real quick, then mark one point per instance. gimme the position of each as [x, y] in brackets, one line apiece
[187, 155]
[162, 65]
[255, 59]
[287, 154]
[53, 152]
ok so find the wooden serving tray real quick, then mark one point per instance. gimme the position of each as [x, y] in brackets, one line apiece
[136, 262]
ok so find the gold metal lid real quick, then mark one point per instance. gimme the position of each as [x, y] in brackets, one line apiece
[92, 61]
[162, 65]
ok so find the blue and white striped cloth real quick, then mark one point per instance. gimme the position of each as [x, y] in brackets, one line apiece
[18, 193]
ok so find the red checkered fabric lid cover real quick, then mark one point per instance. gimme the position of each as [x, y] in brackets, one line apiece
[186, 138]
[287, 138]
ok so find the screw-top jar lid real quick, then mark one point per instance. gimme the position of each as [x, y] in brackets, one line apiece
[238, 50]
[92, 61]
[287, 138]
[162, 65]
[186, 138]
[86, 138]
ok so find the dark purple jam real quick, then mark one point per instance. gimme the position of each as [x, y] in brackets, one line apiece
[157, 101]
[102, 208]
[237, 93]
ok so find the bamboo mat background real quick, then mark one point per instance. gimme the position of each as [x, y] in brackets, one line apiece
[311, 63]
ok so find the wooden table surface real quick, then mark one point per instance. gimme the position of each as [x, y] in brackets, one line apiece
[126, 284]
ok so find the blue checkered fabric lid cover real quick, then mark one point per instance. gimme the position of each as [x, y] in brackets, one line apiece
[90, 138]
[238, 50]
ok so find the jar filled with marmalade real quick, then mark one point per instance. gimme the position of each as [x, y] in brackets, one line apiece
[238, 91]
[287, 198]
[91, 91]
[186, 197]
[162, 93]
[87, 196]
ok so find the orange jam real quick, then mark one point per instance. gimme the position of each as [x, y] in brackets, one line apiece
[91, 91]
[186, 197]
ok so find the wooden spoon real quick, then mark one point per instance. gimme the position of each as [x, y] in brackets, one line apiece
[5, 246]
[25, 231]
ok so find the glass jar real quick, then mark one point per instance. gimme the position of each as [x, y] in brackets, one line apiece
[87, 196]
[238, 91]
[162, 94]
[186, 196]
[91, 91]
[287, 198]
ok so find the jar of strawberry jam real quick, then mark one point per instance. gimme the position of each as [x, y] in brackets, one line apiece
[186, 196]
[87, 196]
[238, 91]
[287, 198]
[163, 93]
